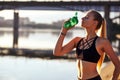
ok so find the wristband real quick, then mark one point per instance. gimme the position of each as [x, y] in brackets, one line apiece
[63, 34]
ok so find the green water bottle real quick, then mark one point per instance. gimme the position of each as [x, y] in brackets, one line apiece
[72, 22]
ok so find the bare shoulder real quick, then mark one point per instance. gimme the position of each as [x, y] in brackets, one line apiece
[77, 39]
[103, 41]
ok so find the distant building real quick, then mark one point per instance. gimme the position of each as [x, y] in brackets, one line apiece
[58, 23]
[9, 22]
[1, 19]
[24, 21]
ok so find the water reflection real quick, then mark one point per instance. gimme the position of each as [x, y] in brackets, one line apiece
[26, 32]
[35, 38]
[21, 68]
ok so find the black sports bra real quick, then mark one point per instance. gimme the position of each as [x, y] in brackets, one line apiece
[90, 53]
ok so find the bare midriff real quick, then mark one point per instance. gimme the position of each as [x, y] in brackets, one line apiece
[86, 70]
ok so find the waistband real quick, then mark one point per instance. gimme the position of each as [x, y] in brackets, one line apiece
[94, 78]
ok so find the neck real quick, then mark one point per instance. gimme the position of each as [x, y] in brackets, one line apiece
[90, 34]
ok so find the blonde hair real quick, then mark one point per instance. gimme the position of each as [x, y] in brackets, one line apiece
[102, 33]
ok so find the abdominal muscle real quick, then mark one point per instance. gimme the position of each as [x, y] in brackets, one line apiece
[86, 70]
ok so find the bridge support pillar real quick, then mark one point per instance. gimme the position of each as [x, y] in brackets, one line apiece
[15, 29]
[108, 21]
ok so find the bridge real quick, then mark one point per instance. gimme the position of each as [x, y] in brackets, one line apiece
[60, 5]
[83, 5]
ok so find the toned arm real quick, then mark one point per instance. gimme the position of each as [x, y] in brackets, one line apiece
[61, 49]
[113, 57]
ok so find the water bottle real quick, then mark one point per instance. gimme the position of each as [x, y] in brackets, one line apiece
[72, 22]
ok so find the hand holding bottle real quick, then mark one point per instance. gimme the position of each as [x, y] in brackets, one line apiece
[71, 22]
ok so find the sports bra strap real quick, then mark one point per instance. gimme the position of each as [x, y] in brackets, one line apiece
[87, 42]
[79, 42]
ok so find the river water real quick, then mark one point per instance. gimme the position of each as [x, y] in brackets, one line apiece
[22, 68]
[35, 38]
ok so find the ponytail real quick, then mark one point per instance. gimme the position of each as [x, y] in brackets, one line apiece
[102, 33]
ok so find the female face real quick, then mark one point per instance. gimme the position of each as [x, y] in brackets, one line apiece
[88, 21]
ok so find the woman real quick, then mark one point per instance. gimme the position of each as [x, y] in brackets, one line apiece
[90, 49]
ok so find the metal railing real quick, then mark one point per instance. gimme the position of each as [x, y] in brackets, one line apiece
[60, 0]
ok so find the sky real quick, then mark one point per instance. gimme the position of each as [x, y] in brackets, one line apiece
[47, 16]
[41, 16]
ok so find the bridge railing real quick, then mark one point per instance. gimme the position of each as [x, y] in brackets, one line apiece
[61, 0]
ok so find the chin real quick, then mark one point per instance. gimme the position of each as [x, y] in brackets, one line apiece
[82, 26]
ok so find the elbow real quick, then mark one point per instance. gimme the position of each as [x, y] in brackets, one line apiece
[117, 67]
[56, 53]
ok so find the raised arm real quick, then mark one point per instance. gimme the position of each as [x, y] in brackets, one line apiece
[61, 49]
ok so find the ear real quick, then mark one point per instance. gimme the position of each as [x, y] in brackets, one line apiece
[95, 23]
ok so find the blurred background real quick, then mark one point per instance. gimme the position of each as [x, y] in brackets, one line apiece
[29, 30]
